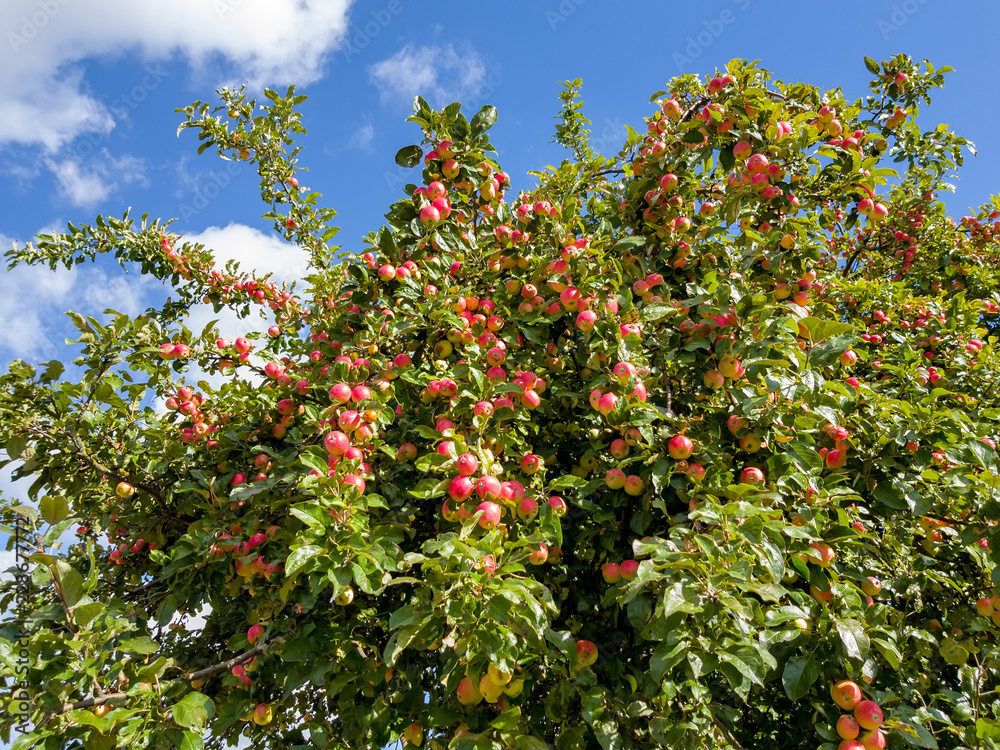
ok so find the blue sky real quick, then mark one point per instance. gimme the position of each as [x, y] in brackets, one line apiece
[89, 87]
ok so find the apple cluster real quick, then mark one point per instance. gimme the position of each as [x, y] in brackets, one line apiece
[859, 729]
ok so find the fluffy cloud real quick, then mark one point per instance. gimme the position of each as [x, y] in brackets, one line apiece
[41, 84]
[34, 322]
[255, 250]
[86, 185]
[362, 138]
[439, 74]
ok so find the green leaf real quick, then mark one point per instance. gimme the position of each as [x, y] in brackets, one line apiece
[421, 108]
[872, 65]
[524, 742]
[84, 613]
[300, 557]
[798, 676]
[193, 711]
[484, 119]
[192, 741]
[827, 353]
[409, 156]
[16, 445]
[509, 719]
[141, 645]
[953, 653]
[70, 582]
[53, 508]
[853, 637]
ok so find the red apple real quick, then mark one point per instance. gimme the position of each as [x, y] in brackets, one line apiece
[680, 447]
[467, 464]
[847, 727]
[868, 714]
[846, 694]
[586, 653]
[491, 515]
[611, 572]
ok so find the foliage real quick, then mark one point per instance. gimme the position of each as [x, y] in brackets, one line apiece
[749, 273]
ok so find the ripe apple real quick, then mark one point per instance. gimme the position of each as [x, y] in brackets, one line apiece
[429, 215]
[680, 447]
[868, 714]
[628, 569]
[531, 463]
[467, 464]
[846, 694]
[634, 485]
[611, 572]
[615, 479]
[491, 515]
[672, 109]
[871, 586]
[586, 320]
[255, 633]
[714, 380]
[527, 509]
[735, 423]
[823, 596]
[558, 506]
[262, 714]
[461, 488]
[873, 740]
[586, 653]
[539, 555]
[821, 554]
[606, 404]
[124, 490]
[847, 727]
[751, 475]
[729, 366]
[468, 692]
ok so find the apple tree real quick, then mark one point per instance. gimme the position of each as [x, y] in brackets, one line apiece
[692, 446]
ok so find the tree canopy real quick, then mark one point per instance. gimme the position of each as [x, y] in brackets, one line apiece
[651, 455]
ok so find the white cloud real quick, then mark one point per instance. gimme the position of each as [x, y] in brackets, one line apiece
[362, 138]
[34, 298]
[439, 74]
[255, 250]
[28, 333]
[47, 101]
[86, 185]
[78, 187]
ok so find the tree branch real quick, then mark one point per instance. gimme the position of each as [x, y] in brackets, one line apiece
[83, 456]
[100, 700]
